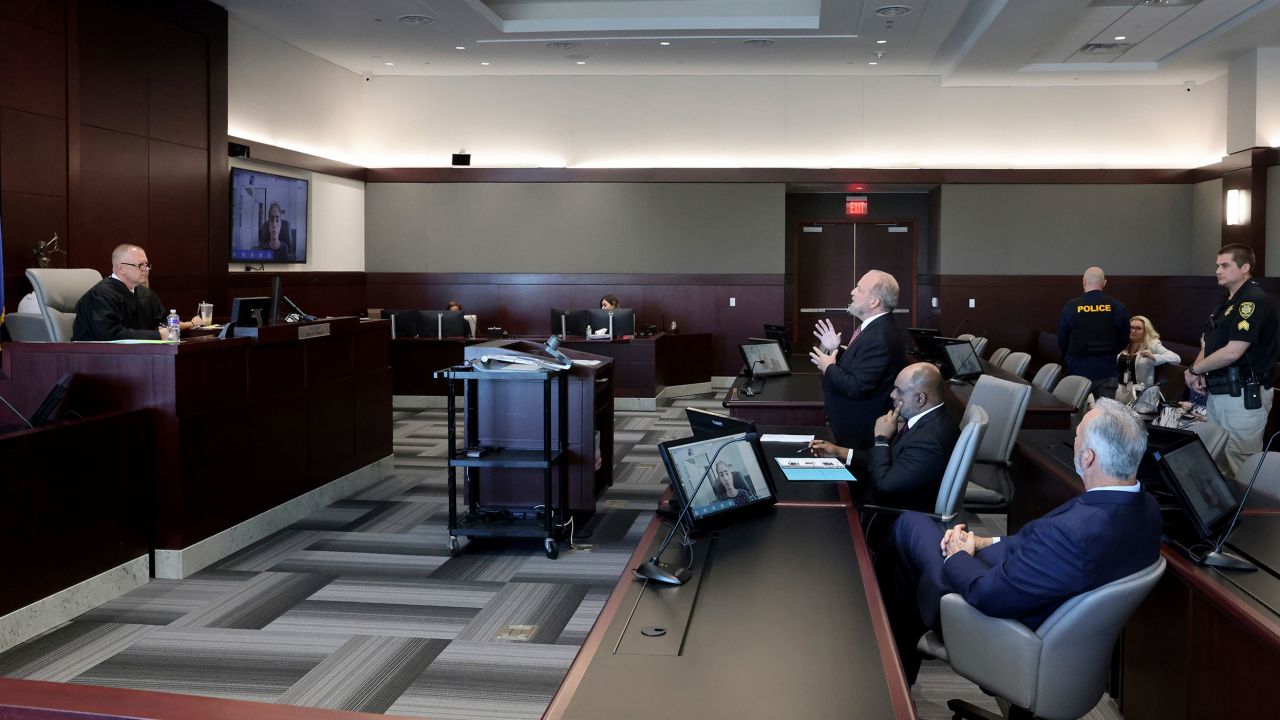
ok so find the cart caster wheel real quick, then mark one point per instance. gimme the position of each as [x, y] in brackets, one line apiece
[454, 545]
[552, 547]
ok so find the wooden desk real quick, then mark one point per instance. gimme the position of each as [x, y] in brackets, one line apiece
[241, 425]
[413, 360]
[643, 366]
[742, 642]
[796, 399]
[1204, 644]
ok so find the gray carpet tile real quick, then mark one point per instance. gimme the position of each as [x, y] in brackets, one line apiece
[255, 603]
[545, 606]
[374, 618]
[367, 674]
[337, 516]
[487, 681]
[270, 550]
[215, 662]
[410, 591]
[600, 565]
[355, 563]
[394, 517]
[581, 621]
[403, 543]
[160, 602]
[70, 649]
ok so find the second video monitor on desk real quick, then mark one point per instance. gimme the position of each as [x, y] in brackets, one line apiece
[576, 322]
[438, 324]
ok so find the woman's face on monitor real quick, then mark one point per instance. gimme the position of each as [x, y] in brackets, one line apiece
[273, 222]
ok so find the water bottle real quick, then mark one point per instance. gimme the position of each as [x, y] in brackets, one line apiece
[588, 331]
[173, 322]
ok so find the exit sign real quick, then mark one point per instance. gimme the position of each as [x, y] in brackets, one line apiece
[855, 205]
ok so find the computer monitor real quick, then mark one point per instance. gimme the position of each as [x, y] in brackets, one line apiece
[275, 301]
[959, 359]
[779, 334]
[624, 320]
[1196, 483]
[47, 412]
[568, 322]
[441, 324]
[926, 342]
[707, 424]
[764, 359]
[247, 312]
[404, 323]
[736, 482]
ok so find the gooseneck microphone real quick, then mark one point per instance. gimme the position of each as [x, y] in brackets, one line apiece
[22, 417]
[656, 570]
[751, 378]
[297, 309]
[960, 327]
[1216, 557]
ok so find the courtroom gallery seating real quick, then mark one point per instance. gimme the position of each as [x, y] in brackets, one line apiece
[1073, 389]
[58, 290]
[1016, 363]
[1047, 376]
[1005, 401]
[998, 355]
[1057, 672]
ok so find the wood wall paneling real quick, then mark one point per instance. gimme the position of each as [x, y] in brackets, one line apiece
[28, 219]
[177, 90]
[113, 197]
[34, 152]
[113, 66]
[177, 184]
[319, 293]
[33, 68]
[45, 14]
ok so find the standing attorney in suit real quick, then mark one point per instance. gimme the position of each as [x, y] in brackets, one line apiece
[904, 469]
[857, 381]
[1109, 531]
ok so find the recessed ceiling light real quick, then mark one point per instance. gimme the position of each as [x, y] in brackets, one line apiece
[485, 64]
[389, 64]
[664, 42]
[582, 62]
[1120, 37]
[881, 42]
[760, 42]
[459, 47]
[561, 45]
[416, 19]
[893, 11]
[873, 62]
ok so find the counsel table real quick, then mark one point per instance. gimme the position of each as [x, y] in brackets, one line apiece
[642, 366]
[787, 622]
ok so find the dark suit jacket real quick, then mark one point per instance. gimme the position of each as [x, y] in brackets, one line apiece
[908, 472]
[857, 386]
[1082, 544]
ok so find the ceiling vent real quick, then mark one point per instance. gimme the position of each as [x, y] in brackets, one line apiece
[562, 45]
[892, 11]
[416, 19]
[760, 42]
[1105, 48]
[1144, 3]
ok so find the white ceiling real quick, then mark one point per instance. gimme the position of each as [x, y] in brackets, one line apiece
[965, 42]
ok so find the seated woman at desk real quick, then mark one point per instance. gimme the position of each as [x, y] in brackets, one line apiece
[730, 485]
[609, 302]
[454, 306]
[1137, 362]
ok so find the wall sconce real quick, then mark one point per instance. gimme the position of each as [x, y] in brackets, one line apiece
[1237, 207]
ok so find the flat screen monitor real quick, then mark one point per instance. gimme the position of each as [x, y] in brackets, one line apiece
[707, 424]
[926, 342]
[1198, 485]
[251, 311]
[624, 321]
[441, 324]
[404, 323]
[764, 359]
[959, 359]
[47, 412]
[568, 322]
[737, 481]
[779, 334]
[269, 218]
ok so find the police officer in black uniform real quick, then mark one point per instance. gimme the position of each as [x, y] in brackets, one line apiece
[1092, 329]
[1237, 360]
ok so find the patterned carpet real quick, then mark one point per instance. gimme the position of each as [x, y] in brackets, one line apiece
[360, 607]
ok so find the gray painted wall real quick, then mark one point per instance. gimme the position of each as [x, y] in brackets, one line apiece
[1206, 226]
[1062, 229]
[575, 227]
[1272, 268]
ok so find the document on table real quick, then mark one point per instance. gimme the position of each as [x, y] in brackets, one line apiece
[815, 469]
[779, 438]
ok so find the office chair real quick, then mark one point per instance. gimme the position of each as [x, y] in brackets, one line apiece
[1047, 376]
[58, 290]
[1016, 363]
[27, 327]
[965, 336]
[1058, 672]
[1005, 402]
[1074, 390]
[998, 355]
[1268, 482]
[956, 477]
[979, 345]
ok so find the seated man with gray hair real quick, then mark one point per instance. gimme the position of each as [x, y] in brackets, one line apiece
[1109, 531]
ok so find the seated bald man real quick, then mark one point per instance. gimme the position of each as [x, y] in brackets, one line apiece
[121, 306]
[904, 469]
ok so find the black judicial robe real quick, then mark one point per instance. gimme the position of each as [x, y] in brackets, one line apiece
[108, 311]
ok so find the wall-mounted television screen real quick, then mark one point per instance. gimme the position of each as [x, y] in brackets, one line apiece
[268, 217]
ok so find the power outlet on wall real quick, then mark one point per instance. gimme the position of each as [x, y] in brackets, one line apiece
[733, 302]
[973, 303]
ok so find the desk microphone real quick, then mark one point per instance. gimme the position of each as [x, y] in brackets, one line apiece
[960, 327]
[656, 570]
[21, 417]
[751, 378]
[1216, 557]
[297, 309]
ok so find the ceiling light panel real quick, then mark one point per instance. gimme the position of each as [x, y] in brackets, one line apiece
[557, 16]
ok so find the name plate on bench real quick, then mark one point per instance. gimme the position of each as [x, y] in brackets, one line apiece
[313, 331]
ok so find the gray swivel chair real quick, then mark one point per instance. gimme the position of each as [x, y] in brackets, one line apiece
[1058, 672]
[1074, 390]
[965, 336]
[956, 477]
[979, 345]
[1016, 363]
[1047, 376]
[998, 355]
[58, 290]
[1267, 486]
[27, 327]
[1005, 402]
[1214, 437]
